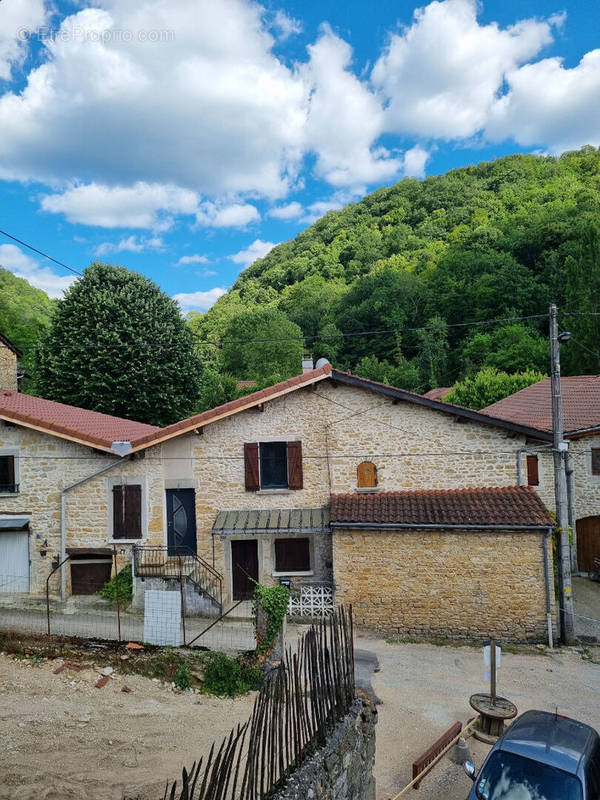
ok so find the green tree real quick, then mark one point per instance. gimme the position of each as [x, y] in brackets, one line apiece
[488, 386]
[262, 343]
[512, 348]
[433, 352]
[119, 345]
[583, 298]
[404, 375]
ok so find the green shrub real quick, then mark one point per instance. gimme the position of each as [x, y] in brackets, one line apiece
[228, 677]
[109, 590]
[183, 677]
[274, 600]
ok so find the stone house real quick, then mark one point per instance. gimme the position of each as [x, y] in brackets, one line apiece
[9, 355]
[243, 492]
[532, 406]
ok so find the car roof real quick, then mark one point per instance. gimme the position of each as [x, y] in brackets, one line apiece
[549, 738]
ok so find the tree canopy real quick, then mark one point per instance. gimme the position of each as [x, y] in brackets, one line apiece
[119, 345]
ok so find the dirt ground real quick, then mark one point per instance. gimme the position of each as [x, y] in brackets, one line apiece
[425, 688]
[63, 739]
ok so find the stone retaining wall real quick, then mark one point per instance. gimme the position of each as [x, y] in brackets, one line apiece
[343, 769]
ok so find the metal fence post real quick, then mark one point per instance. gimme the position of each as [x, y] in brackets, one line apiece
[182, 600]
[117, 593]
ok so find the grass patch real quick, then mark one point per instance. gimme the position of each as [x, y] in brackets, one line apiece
[228, 677]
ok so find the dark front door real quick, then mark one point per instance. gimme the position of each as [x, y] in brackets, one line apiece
[244, 565]
[181, 521]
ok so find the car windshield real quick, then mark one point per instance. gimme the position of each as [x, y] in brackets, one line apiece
[510, 777]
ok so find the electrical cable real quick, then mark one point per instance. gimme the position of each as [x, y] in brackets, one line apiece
[41, 253]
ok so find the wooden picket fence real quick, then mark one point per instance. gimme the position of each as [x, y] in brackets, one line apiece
[300, 703]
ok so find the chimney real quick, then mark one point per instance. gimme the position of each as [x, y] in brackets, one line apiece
[8, 364]
[307, 363]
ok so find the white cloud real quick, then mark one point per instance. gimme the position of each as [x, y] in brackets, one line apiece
[18, 18]
[550, 105]
[143, 205]
[195, 259]
[286, 26]
[258, 249]
[286, 212]
[414, 162]
[199, 301]
[209, 107]
[235, 215]
[442, 74]
[345, 118]
[23, 266]
[131, 245]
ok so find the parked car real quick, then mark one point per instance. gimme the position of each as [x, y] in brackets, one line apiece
[541, 756]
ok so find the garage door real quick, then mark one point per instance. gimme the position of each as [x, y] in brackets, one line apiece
[14, 558]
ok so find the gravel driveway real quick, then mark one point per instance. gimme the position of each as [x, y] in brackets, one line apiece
[423, 689]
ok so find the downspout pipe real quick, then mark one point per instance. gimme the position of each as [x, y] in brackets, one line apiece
[545, 539]
[63, 517]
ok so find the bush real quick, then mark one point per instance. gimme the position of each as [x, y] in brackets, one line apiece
[183, 677]
[109, 590]
[228, 677]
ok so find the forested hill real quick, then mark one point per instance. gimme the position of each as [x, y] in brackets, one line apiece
[24, 311]
[500, 239]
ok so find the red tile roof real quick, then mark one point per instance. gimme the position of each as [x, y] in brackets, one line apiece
[532, 406]
[242, 403]
[506, 506]
[438, 393]
[70, 422]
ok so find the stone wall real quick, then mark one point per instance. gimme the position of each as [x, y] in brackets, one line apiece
[467, 585]
[343, 769]
[8, 369]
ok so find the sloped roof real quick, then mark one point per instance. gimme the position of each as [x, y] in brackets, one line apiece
[270, 520]
[69, 422]
[506, 507]
[533, 405]
[4, 342]
[438, 393]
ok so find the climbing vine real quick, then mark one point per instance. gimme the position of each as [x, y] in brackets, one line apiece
[274, 601]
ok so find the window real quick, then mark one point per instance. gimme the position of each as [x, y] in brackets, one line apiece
[8, 483]
[533, 474]
[127, 511]
[595, 460]
[292, 555]
[366, 475]
[273, 465]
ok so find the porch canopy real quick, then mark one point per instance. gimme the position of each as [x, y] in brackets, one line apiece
[14, 524]
[279, 521]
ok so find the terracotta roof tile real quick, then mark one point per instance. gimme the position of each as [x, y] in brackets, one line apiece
[532, 406]
[438, 393]
[507, 506]
[90, 427]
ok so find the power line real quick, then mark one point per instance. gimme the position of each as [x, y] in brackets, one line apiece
[41, 253]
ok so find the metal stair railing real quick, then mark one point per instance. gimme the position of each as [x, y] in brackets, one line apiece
[171, 562]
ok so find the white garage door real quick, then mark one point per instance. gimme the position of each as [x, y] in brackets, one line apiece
[14, 561]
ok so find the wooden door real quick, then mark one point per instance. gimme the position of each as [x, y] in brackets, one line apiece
[588, 543]
[181, 521]
[244, 567]
[366, 475]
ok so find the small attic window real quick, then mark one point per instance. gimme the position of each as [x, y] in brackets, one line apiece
[366, 475]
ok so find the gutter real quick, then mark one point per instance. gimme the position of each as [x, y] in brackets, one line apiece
[121, 449]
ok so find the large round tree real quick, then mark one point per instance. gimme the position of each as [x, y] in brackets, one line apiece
[119, 345]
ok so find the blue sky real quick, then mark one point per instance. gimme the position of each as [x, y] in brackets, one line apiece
[183, 138]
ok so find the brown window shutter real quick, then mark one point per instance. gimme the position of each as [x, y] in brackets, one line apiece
[133, 511]
[251, 466]
[595, 460]
[533, 475]
[294, 451]
[11, 470]
[118, 513]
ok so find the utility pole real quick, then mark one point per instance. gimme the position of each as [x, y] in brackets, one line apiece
[559, 450]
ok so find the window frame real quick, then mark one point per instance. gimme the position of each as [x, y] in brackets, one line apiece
[273, 487]
[298, 572]
[8, 452]
[111, 483]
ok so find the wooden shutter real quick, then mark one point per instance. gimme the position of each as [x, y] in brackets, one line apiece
[127, 512]
[294, 451]
[533, 475]
[292, 555]
[367, 475]
[251, 466]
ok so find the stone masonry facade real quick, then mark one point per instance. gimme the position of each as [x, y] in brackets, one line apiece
[459, 584]
[8, 368]
[413, 447]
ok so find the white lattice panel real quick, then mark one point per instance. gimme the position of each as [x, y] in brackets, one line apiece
[313, 601]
